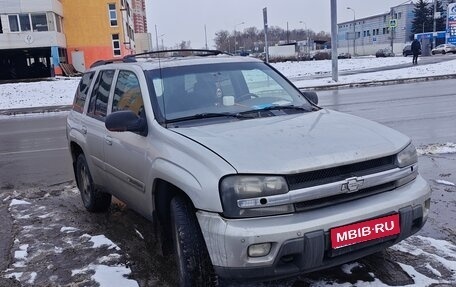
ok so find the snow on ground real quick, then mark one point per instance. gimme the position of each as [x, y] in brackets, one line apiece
[61, 91]
[313, 68]
[434, 149]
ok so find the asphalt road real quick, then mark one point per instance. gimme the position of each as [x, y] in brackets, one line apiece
[33, 151]
[52, 227]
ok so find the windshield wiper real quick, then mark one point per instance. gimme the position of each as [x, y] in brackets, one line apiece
[208, 116]
[277, 108]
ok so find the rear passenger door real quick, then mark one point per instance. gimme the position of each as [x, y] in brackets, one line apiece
[126, 159]
[93, 125]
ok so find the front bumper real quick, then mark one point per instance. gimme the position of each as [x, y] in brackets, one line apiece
[301, 242]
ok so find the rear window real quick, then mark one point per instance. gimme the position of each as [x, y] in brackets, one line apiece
[82, 92]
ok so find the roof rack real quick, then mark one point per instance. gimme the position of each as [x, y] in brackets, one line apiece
[160, 54]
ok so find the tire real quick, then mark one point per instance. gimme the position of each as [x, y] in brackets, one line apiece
[93, 199]
[443, 52]
[192, 258]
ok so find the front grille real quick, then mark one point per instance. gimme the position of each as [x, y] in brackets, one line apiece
[340, 198]
[339, 173]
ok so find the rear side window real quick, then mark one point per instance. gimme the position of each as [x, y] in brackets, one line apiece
[98, 106]
[82, 91]
[127, 93]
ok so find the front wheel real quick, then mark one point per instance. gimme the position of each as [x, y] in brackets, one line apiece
[443, 52]
[193, 261]
[93, 199]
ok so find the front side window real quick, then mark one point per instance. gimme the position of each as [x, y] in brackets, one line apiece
[127, 94]
[98, 106]
[82, 91]
[228, 89]
[112, 14]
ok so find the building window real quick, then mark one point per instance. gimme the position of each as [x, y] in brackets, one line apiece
[39, 22]
[399, 15]
[14, 23]
[58, 23]
[116, 45]
[112, 14]
[24, 20]
[1, 27]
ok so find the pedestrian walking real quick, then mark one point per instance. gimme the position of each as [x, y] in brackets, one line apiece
[416, 50]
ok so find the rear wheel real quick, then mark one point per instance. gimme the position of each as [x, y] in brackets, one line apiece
[93, 199]
[443, 52]
[194, 265]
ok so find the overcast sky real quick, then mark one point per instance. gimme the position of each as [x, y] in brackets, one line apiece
[183, 20]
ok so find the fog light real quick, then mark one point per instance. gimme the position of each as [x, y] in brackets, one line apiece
[259, 250]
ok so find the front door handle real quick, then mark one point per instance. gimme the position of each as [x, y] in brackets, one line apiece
[108, 140]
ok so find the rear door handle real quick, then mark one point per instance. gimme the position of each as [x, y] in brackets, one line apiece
[84, 130]
[108, 140]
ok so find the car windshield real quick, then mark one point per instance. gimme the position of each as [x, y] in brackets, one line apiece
[223, 91]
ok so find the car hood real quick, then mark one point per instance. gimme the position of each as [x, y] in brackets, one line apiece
[297, 143]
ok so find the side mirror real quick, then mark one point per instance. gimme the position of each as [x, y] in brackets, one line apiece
[311, 96]
[126, 121]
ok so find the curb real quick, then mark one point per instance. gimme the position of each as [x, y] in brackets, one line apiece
[35, 110]
[379, 83]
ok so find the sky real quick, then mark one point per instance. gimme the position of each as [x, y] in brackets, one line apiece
[178, 20]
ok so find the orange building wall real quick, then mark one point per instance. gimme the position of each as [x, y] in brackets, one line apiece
[87, 28]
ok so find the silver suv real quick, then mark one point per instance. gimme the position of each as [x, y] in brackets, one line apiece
[247, 177]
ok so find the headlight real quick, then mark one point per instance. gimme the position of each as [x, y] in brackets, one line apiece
[407, 156]
[238, 187]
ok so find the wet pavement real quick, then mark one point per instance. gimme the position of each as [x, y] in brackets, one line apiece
[56, 242]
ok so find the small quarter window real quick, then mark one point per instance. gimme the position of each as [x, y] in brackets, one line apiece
[81, 92]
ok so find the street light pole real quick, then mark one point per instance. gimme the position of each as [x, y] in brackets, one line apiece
[354, 30]
[235, 42]
[435, 24]
[307, 36]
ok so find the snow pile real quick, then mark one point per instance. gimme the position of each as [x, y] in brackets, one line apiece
[433, 149]
[38, 94]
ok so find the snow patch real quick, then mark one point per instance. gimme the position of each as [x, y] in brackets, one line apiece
[139, 234]
[437, 149]
[108, 276]
[100, 241]
[68, 229]
[18, 202]
[347, 268]
[444, 182]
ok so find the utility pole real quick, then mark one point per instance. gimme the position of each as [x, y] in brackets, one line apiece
[266, 45]
[392, 29]
[156, 37]
[335, 72]
[435, 24]
[205, 35]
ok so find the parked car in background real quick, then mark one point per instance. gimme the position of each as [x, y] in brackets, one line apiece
[344, 56]
[386, 52]
[407, 51]
[443, 49]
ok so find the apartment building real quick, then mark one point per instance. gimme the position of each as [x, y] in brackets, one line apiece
[98, 29]
[143, 39]
[32, 40]
[366, 35]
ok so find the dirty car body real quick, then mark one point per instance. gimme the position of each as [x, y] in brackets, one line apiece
[278, 185]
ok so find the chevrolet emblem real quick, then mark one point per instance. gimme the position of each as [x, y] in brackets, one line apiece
[352, 184]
